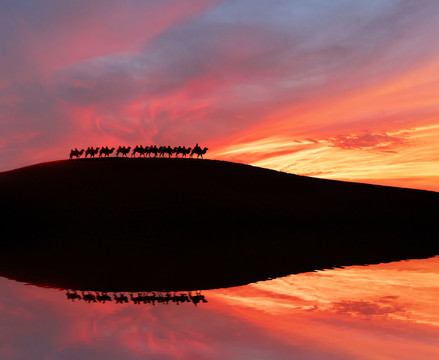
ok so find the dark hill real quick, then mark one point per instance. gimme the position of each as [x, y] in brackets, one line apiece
[176, 224]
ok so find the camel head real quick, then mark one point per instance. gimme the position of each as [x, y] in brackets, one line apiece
[205, 150]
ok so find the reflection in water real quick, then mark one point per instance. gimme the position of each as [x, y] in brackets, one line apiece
[386, 311]
[150, 297]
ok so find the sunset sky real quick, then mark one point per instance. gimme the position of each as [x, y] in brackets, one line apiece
[336, 89]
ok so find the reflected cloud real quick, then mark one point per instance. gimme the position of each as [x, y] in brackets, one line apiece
[374, 309]
[382, 307]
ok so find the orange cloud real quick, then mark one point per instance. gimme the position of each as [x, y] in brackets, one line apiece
[386, 132]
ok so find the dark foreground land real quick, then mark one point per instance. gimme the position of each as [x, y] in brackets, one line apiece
[181, 224]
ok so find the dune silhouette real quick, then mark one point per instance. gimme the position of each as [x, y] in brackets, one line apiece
[136, 224]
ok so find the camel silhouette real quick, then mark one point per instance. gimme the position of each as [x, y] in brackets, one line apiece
[139, 149]
[106, 151]
[148, 150]
[151, 297]
[197, 298]
[168, 150]
[103, 297]
[75, 153]
[187, 151]
[72, 295]
[89, 297]
[178, 150]
[136, 299]
[92, 152]
[153, 150]
[123, 150]
[120, 299]
[161, 151]
[183, 151]
[182, 298]
[197, 150]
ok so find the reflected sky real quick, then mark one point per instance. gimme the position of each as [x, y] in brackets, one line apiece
[386, 311]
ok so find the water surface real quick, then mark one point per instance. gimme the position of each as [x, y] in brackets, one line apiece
[385, 311]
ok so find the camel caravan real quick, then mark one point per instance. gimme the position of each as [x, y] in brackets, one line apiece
[140, 151]
[137, 298]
